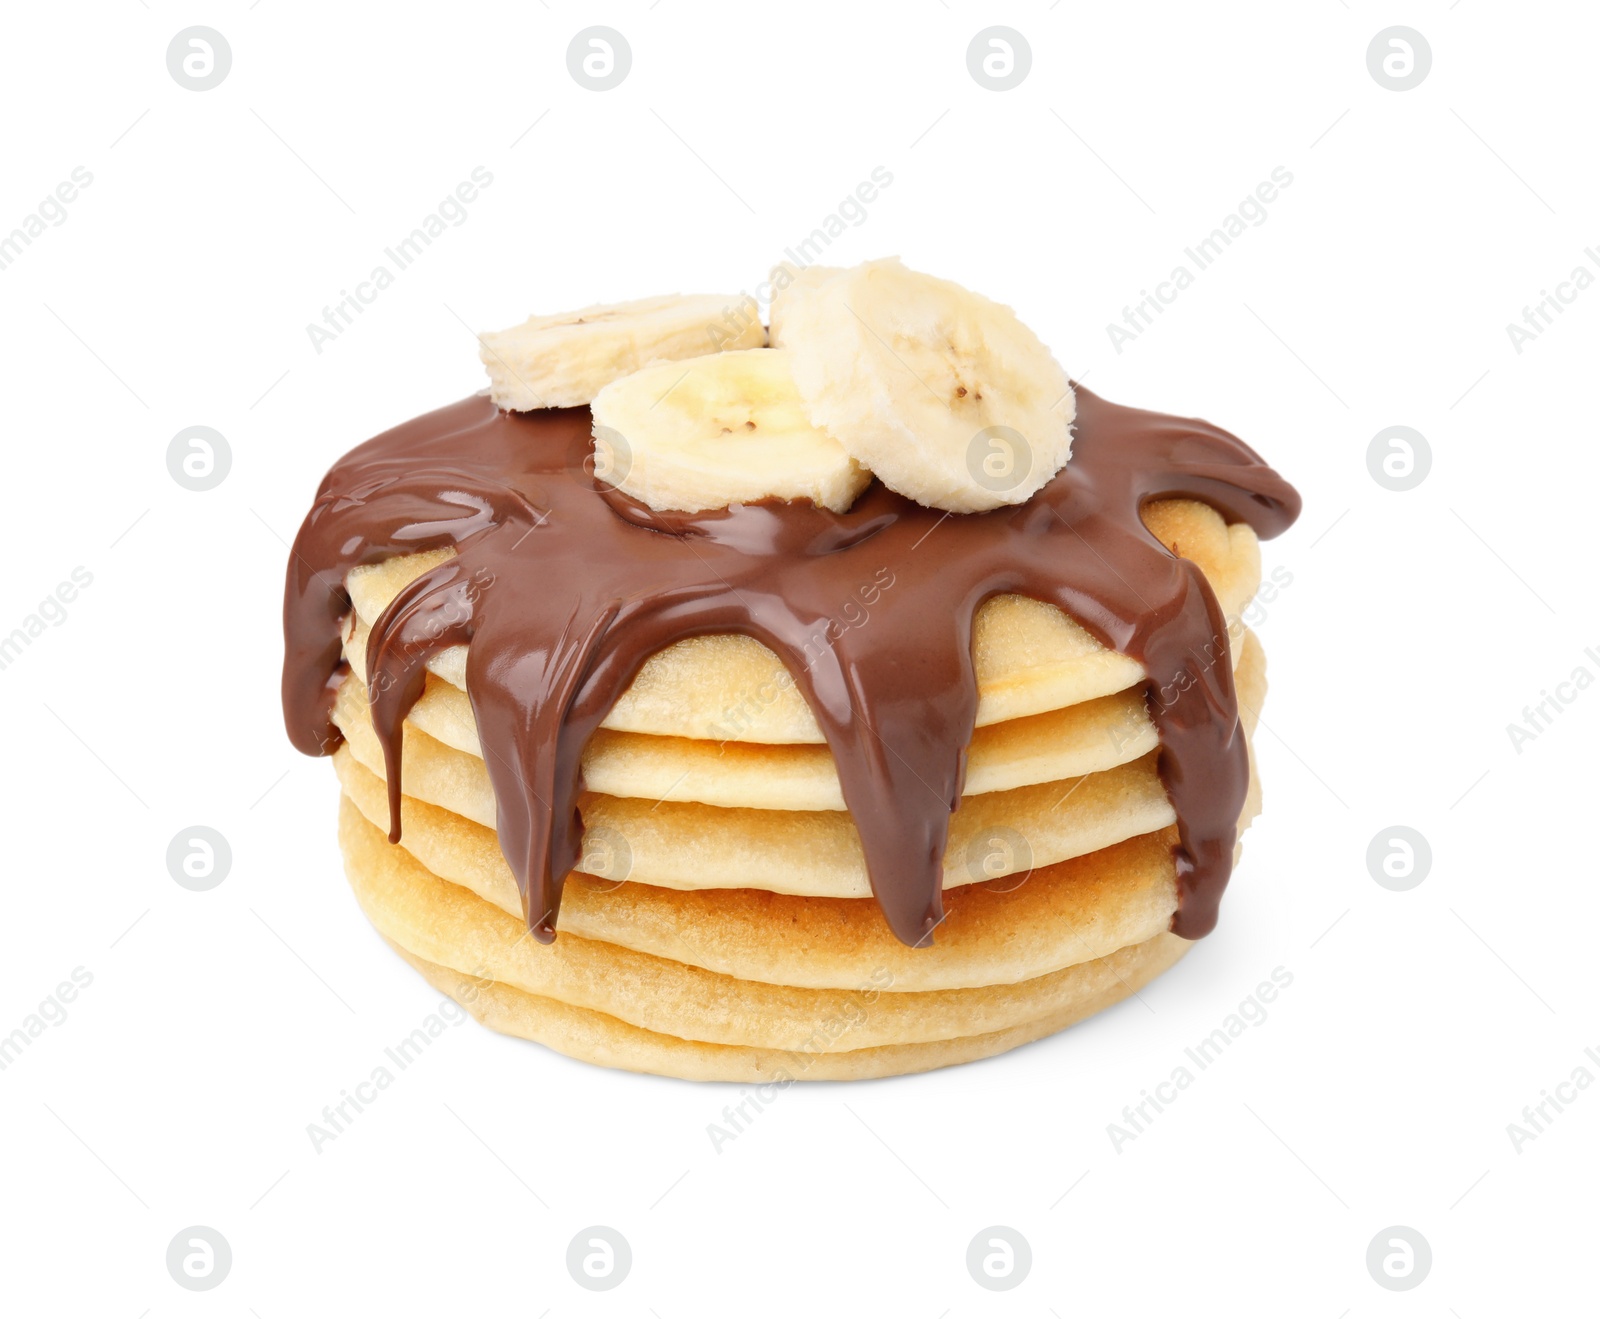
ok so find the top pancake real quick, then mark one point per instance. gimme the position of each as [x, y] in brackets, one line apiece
[1029, 657]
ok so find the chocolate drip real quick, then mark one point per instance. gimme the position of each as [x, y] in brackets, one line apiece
[565, 586]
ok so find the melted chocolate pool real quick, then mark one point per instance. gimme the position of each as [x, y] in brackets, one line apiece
[564, 587]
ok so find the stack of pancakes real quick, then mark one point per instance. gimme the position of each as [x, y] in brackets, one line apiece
[721, 926]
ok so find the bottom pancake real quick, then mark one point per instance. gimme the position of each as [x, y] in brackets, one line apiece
[617, 1007]
[593, 1037]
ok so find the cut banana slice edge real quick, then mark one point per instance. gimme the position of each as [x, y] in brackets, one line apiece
[945, 396]
[723, 429]
[786, 280]
[563, 361]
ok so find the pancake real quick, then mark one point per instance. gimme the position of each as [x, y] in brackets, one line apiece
[596, 1038]
[1058, 744]
[1029, 656]
[815, 853]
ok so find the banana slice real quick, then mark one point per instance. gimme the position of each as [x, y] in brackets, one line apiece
[723, 429]
[789, 279]
[946, 396]
[563, 361]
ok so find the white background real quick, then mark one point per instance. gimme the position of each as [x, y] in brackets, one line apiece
[1416, 628]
